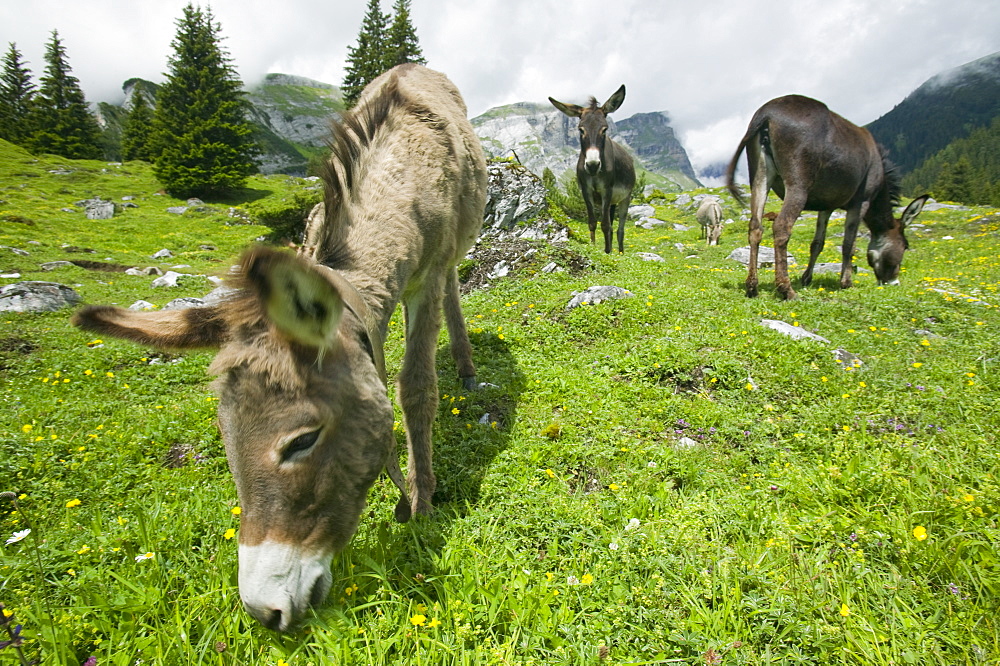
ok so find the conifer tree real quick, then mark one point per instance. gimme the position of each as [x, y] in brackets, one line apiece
[366, 60]
[16, 92]
[201, 135]
[137, 130]
[60, 119]
[401, 43]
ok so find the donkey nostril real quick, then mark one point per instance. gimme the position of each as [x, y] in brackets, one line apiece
[272, 620]
[318, 592]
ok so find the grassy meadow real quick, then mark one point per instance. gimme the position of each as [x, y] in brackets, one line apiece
[653, 480]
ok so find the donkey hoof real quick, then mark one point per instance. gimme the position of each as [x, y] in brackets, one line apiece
[402, 513]
[470, 383]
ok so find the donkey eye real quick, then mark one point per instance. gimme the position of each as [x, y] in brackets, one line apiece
[300, 444]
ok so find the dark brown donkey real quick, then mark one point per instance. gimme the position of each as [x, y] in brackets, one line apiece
[814, 159]
[303, 408]
[604, 170]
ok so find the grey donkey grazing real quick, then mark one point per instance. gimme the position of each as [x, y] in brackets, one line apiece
[303, 408]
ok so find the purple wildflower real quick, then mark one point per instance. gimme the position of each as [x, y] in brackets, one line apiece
[91, 661]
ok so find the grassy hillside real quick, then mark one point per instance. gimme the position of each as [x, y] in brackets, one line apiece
[659, 479]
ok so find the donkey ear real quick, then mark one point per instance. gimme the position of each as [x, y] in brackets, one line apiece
[170, 329]
[614, 101]
[571, 110]
[913, 210]
[296, 297]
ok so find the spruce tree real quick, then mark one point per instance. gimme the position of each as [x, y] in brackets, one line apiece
[366, 60]
[61, 121]
[137, 130]
[401, 43]
[201, 135]
[16, 92]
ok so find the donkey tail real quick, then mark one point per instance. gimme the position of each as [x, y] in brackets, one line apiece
[758, 123]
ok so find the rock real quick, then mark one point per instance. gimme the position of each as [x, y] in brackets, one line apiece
[10, 276]
[847, 358]
[649, 223]
[149, 270]
[680, 227]
[551, 267]
[650, 256]
[765, 256]
[682, 200]
[184, 303]
[168, 279]
[18, 251]
[679, 247]
[207, 248]
[53, 265]
[642, 210]
[141, 305]
[516, 207]
[177, 210]
[35, 296]
[128, 197]
[98, 209]
[597, 294]
[501, 269]
[828, 267]
[685, 443]
[163, 254]
[794, 332]
[218, 295]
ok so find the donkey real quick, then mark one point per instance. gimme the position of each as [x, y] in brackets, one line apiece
[604, 170]
[709, 216]
[814, 159]
[303, 409]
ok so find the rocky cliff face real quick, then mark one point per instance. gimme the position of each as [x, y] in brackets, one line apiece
[543, 137]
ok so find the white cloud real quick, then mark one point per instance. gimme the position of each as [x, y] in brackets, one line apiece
[709, 64]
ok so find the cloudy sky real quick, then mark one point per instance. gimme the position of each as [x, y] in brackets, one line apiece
[708, 63]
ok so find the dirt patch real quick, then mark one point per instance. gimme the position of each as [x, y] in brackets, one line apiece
[18, 345]
[99, 266]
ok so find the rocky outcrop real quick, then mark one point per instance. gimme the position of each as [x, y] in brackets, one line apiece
[655, 143]
[36, 296]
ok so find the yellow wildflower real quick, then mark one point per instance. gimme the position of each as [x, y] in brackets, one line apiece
[919, 533]
[73, 502]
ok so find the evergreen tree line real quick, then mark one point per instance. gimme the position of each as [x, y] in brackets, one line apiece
[197, 135]
[966, 171]
[381, 46]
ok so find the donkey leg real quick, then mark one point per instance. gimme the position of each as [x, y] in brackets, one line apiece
[847, 257]
[417, 392]
[782, 231]
[622, 214]
[758, 197]
[606, 228]
[591, 216]
[461, 348]
[819, 239]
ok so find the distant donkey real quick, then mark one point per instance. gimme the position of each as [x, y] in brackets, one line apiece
[604, 170]
[303, 408]
[814, 159]
[710, 218]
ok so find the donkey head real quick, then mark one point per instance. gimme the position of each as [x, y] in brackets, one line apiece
[304, 416]
[593, 127]
[888, 243]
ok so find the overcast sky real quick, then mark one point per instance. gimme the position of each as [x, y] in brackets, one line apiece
[707, 63]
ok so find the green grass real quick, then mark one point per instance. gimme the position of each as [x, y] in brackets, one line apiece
[574, 531]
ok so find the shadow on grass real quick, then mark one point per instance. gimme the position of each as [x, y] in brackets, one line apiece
[238, 197]
[464, 450]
